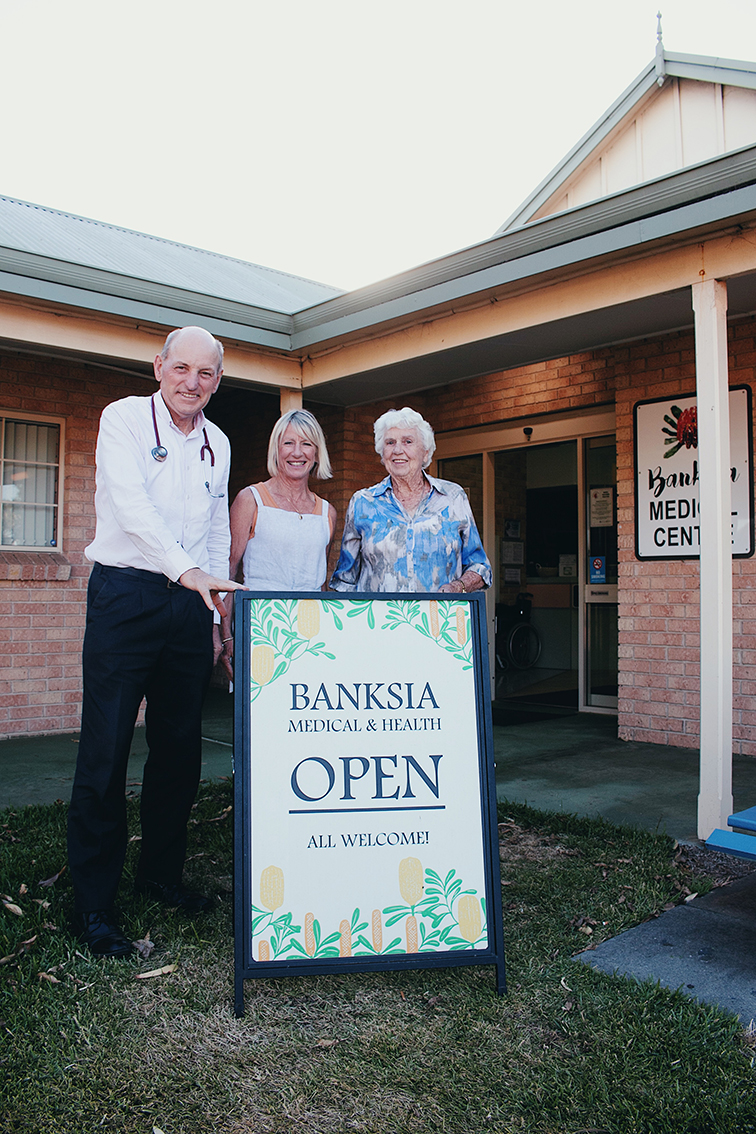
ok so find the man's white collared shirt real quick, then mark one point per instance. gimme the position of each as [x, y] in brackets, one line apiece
[162, 516]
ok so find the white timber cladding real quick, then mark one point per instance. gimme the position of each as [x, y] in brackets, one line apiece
[684, 123]
[715, 798]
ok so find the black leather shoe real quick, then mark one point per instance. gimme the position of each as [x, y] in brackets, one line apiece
[175, 895]
[99, 932]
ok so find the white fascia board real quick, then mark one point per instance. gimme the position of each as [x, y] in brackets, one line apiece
[582, 149]
[710, 71]
[633, 234]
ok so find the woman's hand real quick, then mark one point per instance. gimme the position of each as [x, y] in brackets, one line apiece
[470, 581]
[227, 657]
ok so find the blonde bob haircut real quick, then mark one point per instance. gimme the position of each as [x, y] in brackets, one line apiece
[407, 419]
[308, 427]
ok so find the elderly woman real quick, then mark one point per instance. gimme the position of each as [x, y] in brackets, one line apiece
[411, 532]
[281, 531]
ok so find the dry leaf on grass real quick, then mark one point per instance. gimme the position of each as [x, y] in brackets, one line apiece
[54, 879]
[156, 972]
[11, 907]
[216, 818]
[144, 947]
[49, 977]
[43, 902]
[23, 889]
[326, 1043]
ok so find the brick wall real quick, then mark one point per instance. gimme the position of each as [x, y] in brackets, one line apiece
[42, 618]
[659, 601]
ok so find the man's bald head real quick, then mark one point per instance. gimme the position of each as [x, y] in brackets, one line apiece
[173, 339]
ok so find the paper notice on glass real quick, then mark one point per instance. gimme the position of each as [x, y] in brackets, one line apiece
[512, 551]
[602, 507]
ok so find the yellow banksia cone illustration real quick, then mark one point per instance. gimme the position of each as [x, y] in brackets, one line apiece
[377, 931]
[308, 618]
[272, 887]
[263, 663]
[410, 927]
[309, 935]
[435, 628]
[263, 951]
[468, 916]
[411, 880]
[461, 627]
[345, 943]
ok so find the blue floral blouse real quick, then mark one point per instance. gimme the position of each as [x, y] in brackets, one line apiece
[384, 549]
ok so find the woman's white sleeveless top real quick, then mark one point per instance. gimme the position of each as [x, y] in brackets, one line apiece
[288, 550]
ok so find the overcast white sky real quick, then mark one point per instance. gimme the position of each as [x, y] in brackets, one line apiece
[336, 139]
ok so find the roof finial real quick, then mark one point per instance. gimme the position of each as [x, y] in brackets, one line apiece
[659, 61]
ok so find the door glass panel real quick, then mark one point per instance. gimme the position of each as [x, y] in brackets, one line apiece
[468, 472]
[601, 568]
[537, 540]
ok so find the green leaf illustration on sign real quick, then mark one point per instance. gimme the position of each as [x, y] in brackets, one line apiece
[437, 914]
[281, 632]
[446, 623]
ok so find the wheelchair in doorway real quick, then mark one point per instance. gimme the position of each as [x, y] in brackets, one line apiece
[517, 641]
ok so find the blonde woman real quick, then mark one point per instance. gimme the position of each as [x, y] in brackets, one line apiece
[281, 531]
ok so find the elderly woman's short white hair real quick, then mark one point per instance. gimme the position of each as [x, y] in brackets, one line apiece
[408, 419]
[308, 426]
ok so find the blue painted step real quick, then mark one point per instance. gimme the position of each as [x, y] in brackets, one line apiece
[732, 842]
[743, 820]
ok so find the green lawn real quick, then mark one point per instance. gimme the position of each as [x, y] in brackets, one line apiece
[87, 1047]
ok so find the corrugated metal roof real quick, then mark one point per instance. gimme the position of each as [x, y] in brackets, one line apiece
[71, 239]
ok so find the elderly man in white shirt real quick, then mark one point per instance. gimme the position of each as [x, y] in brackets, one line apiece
[160, 557]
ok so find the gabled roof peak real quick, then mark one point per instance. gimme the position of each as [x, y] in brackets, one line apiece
[665, 65]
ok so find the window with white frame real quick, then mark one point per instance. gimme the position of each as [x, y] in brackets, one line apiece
[31, 450]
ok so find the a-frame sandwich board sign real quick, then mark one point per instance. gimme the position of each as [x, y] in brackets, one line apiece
[365, 800]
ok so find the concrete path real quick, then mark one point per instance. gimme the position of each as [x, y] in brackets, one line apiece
[704, 948]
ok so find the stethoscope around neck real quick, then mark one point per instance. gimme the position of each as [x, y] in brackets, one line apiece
[159, 451]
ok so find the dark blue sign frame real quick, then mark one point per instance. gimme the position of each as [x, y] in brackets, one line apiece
[245, 966]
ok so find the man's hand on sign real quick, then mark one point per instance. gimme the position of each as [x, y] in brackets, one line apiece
[210, 587]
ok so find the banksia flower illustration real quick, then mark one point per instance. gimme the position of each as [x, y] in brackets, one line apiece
[263, 951]
[377, 931]
[410, 927]
[272, 887]
[468, 916]
[435, 628]
[308, 618]
[309, 935]
[345, 943]
[263, 663]
[411, 880]
[461, 627]
[683, 430]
